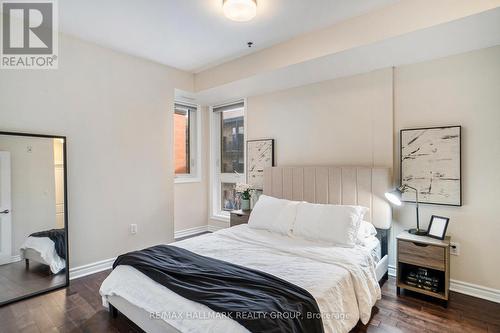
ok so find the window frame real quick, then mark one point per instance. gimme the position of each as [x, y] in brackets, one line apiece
[216, 176]
[194, 124]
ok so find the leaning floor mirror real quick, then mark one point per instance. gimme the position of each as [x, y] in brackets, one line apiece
[33, 215]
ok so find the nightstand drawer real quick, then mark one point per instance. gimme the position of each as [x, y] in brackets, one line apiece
[422, 254]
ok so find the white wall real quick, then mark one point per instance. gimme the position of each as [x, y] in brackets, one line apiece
[116, 111]
[346, 121]
[460, 90]
[32, 186]
[191, 199]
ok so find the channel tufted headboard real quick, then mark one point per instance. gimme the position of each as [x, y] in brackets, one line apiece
[362, 186]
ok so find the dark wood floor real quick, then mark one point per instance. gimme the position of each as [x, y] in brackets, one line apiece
[17, 281]
[79, 309]
[412, 312]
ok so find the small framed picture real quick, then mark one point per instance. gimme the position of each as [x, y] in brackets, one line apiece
[437, 227]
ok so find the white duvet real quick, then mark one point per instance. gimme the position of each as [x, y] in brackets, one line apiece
[342, 280]
[47, 250]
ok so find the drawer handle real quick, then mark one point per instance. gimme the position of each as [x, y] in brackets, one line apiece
[420, 244]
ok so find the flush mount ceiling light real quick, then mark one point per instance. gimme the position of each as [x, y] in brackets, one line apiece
[240, 10]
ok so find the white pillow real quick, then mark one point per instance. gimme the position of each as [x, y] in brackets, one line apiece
[276, 215]
[336, 224]
[366, 229]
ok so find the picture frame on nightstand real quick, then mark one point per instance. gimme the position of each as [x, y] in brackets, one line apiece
[437, 227]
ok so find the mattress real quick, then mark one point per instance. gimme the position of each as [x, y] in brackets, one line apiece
[342, 280]
[45, 247]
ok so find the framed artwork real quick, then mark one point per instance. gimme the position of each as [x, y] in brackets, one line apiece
[260, 155]
[431, 163]
[438, 226]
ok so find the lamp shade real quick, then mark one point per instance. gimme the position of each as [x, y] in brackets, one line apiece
[394, 196]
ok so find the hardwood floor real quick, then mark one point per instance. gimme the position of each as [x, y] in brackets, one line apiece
[413, 312]
[79, 309]
[17, 281]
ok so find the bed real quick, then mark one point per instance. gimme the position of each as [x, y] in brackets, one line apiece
[47, 248]
[343, 281]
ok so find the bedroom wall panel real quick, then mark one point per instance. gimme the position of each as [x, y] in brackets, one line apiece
[116, 112]
[334, 186]
[309, 184]
[268, 178]
[298, 184]
[367, 184]
[277, 183]
[349, 190]
[288, 183]
[321, 185]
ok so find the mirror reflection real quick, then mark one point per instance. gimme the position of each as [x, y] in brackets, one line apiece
[33, 241]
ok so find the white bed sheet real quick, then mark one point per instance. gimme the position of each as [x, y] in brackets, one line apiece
[342, 280]
[374, 246]
[46, 247]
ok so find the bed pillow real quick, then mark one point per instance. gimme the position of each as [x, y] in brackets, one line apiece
[366, 229]
[276, 215]
[335, 224]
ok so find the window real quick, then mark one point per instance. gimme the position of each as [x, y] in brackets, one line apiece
[232, 141]
[228, 151]
[181, 141]
[186, 145]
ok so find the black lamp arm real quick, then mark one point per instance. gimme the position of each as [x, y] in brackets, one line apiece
[403, 188]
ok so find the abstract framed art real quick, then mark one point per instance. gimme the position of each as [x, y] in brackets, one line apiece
[260, 155]
[430, 161]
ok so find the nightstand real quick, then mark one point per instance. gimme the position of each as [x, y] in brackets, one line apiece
[239, 217]
[423, 265]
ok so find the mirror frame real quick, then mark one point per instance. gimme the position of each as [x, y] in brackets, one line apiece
[65, 161]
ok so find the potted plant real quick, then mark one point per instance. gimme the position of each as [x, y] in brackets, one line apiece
[245, 192]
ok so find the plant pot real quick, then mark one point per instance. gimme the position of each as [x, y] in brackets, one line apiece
[245, 204]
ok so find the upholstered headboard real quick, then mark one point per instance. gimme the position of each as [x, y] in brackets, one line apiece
[362, 186]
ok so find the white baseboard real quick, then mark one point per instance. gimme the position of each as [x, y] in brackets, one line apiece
[467, 288]
[15, 258]
[190, 231]
[475, 290]
[392, 270]
[214, 228]
[92, 268]
[99, 266]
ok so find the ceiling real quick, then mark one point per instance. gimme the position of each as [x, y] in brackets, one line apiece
[459, 36]
[194, 34]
